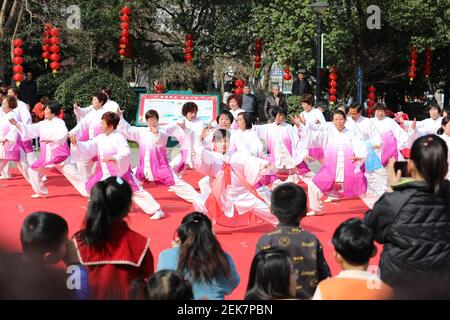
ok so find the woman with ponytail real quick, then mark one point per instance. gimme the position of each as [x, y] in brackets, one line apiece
[412, 220]
[113, 253]
[201, 259]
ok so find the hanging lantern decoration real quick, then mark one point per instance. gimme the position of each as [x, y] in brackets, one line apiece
[258, 52]
[239, 85]
[371, 101]
[18, 61]
[412, 63]
[159, 88]
[332, 85]
[46, 37]
[428, 61]
[189, 48]
[124, 40]
[287, 72]
[54, 50]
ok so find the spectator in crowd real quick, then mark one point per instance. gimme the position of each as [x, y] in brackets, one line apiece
[354, 246]
[249, 103]
[38, 111]
[412, 219]
[446, 111]
[199, 256]
[113, 253]
[301, 86]
[322, 105]
[272, 276]
[274, 100]
[44, 242]
[28, 92]
[163, 285]
[20, 279]
[288, 204]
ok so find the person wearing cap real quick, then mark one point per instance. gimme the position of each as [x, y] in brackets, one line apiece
[301, 86]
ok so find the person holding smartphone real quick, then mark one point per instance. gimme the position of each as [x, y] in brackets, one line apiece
[412, 220]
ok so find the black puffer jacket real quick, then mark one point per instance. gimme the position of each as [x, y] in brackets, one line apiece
[414, 227]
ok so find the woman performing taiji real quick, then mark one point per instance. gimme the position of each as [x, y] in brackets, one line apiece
[113, 159]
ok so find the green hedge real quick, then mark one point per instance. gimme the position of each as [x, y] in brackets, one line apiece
[48, 83]
[294, 106]
[80, 86]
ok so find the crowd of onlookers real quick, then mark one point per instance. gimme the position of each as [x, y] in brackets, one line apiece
[111, 261]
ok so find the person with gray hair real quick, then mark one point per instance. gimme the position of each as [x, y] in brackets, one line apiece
[274, 100]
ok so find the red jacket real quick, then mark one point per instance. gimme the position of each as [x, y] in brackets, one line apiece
[112, 270]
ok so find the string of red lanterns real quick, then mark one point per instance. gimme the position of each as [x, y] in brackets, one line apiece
[54, 48]
[412, 63]
[428, 62]
[189, 48]
[371, 103]
[258, 52]
[332, 85]
[46, 43]
[124, 41]
[18, 61]
[239, 84]
[287, 72]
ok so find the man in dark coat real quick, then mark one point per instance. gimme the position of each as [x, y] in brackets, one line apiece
[274, 100]
[28, 91]
[301, 86]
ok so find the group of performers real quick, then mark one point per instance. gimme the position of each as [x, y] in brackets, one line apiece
[241, 162]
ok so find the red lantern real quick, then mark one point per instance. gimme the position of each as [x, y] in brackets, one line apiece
[124, 26]
[17, 60]
[332, 91]
[55, 32]
[372, 89]
[332, 76]
[126, 10]
[258, 59]
[159, 88]
[18, 52]
[124, 19]
[239, 83]
[54, 66]
[259, 42]
[332, 98]
[428, 62]
[55, 57]
[18, 69]
[124, 41]
[17, 43]
[54, 40]
[371, 96]
[239, 91]
[287, 77]
[370, 103]
[46, 56]
[189, 48]
[287, 70]
[18, 77]
[257, 65]
[124, 33]
[332, 84]
[412, 63]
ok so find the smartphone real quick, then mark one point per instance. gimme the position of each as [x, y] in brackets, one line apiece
[402, 166]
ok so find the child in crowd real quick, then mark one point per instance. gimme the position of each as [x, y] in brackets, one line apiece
[354, 246]
[44, 241]
[164, 285]
[288, 204]
[201, 259]
[113, 254]
[272, 276]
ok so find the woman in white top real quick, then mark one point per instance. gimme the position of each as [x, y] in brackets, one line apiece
[444, 133]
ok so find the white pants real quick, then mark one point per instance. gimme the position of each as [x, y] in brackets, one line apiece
[377, 181]
[181, 188]
[315, 195]
[86, 168]
[144, 200]
[31, 176]
[31, 158]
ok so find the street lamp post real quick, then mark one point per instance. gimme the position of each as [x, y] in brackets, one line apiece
[319, 8]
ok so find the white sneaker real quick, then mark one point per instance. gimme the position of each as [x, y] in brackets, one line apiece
[314, 213]
[159, 214]
[331, 199]
[44, 178]
[37, 195]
